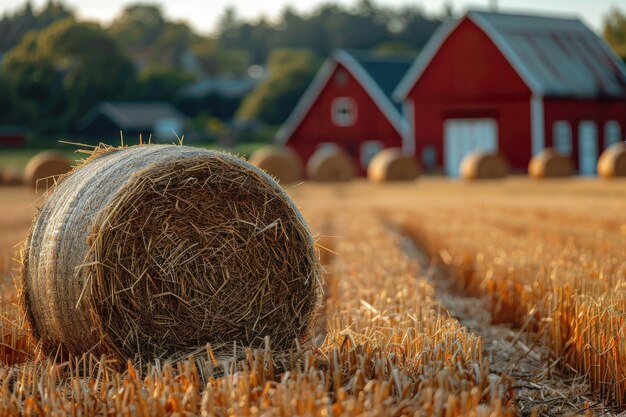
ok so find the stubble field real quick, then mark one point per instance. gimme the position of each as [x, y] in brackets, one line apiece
[441, 298]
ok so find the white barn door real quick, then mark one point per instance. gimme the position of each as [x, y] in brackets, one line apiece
[464, 136]
[587, 147]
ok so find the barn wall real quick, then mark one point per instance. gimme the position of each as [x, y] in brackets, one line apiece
[512, 116]
[469, 78]
[576, 110]
[317, 126]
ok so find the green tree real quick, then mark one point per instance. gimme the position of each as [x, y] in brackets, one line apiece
[615, 31]
[14, 27]
[160, 83]
[61, 72]
[139, 26]
[290, 72]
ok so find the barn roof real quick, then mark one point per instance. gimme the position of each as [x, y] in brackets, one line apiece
[132, 115]
[555, 56]
[378, 74]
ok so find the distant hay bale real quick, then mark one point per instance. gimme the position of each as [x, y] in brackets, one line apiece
[392, 165]
[157, 250]
[282, 163]
[43, 168]
[11, 177]
[483, 166]
[330, 164]
[550, 164]
[612, 162]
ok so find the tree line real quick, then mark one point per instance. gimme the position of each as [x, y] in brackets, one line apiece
[55, 67]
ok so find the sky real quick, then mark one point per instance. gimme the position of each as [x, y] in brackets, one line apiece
[204, 14]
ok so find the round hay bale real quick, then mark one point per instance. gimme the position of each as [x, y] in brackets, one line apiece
[392, 164]
[11, 177]
[157, 250]
[483, 166]
[612, 162]
[550, 164]
[330, 164]
[43, 168]
[282, 163]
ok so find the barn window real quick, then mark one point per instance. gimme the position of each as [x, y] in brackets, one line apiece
[612, 133]
[562, 137]
[429, 157]
[343, 111]
[368, 150]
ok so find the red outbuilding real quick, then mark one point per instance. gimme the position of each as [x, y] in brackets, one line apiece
[349, 104]
[514, 84]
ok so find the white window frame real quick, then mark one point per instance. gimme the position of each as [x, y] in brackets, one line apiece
[365, 155]
[338, 114]
[612, 128]
[562, 127]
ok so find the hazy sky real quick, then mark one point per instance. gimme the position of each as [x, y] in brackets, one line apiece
[203, 14]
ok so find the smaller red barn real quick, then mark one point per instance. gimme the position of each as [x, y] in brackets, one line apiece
[349, 104]
[514, 84]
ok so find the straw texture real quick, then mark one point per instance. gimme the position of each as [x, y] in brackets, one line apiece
[154, 251]
[483, 166]
[612, 162]
[281, 162]
[550, 164]
[330, 164]
[392, 164]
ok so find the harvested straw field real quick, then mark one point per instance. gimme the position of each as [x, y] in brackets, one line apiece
[441, 298]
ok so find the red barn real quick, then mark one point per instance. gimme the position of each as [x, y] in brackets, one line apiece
[349, 104]
[514, 84]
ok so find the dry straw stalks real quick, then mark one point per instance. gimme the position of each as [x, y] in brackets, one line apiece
[556, 270]
[386, 348]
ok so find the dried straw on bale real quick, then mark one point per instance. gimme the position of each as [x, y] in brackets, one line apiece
[330, 164]
[44, 168]
[155, 251]
[392, 165]
[483, 166]
[550, 164]
[11, 177]
[282, 163]
[612, 162]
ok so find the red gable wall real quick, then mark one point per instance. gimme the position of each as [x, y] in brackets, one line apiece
[470, 78]
[317, 126]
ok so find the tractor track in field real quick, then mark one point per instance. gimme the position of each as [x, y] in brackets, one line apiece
[541, 388]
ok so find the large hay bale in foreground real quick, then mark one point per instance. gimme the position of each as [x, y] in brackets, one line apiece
[550, 164]
[392, 164]
[612, 162]
[330, 164]
[11, 177]
[483, 166]
[158, 250]
[43, 169]
[282, 163]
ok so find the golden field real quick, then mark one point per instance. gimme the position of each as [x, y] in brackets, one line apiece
[442, 298]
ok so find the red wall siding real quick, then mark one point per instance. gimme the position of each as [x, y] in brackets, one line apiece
[317, 125]
[469, 78]
[576, 110]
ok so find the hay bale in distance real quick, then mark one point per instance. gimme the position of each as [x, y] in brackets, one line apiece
[42, 169]
[483, 166]
[281, 162]
[11, 177]
[392, 164]
[550, 164]
[330, 164]
[157, 250]
[612, 162]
